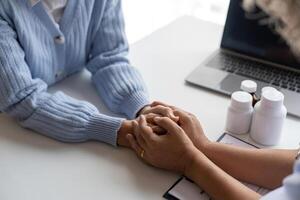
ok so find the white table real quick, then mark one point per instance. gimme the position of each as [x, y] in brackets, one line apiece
[33, 167]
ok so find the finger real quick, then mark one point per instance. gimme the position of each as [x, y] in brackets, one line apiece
[138, 135]
[150, 120]
[157, 129]
[157, 103]
[168, 124]
[164, 111]
[179, 111]
[150, 117]
[146, 132]
[140, 152]
[183, 116]
[133, 143]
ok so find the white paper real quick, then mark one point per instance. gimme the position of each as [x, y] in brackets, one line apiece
[186, 190]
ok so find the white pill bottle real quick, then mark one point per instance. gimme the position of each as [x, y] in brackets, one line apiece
[268, 118]
[239, 113]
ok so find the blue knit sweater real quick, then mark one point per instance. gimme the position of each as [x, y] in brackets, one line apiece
[34, 53]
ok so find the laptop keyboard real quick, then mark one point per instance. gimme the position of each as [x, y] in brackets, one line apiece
[256, 70]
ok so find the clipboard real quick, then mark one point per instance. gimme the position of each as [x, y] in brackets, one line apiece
[186, 189]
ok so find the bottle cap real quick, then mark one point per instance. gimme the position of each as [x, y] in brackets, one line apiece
[241, 99]
[248, 86]
[267, 88]
[272, 98]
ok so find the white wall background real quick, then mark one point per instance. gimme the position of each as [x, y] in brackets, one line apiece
[143, 17]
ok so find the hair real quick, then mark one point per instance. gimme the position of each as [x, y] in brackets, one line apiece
[283, 15]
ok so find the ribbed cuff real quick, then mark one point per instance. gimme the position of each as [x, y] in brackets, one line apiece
[104, 128]
[134, 103]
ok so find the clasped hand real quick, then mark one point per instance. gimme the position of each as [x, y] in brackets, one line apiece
[167, 137]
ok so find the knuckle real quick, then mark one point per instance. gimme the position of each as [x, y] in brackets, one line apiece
[189, 118]
[167, 109]
[181, 112]
[165, 119]
[178, 129]
[193, 116]
[160, 107]
[155, 102]
[150, 116]
[177, 112]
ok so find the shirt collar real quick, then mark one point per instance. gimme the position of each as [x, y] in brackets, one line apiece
[33, 2]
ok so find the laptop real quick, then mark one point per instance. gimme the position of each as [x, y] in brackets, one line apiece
[252, 51]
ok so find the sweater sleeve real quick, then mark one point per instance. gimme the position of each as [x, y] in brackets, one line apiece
[118, 83]
[54, 115]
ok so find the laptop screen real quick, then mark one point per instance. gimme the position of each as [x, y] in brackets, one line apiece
[244, 34]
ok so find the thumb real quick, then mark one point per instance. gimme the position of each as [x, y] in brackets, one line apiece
[168, 124]
[133, 143]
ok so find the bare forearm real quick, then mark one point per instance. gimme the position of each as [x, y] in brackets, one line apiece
[217, 183]
[264, 167]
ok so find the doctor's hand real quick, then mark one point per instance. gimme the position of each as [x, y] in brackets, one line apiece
[190, 124]
[173, 151]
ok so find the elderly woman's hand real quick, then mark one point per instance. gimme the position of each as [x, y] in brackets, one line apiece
[152, 111]
[172, 151]
[158, 110]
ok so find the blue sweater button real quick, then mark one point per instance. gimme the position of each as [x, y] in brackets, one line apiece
[59, 39]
